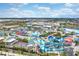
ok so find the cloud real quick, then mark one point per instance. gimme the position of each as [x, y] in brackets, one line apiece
[67, 11]
[69, 5]
[42, 11]
[62, 12]
[13, 12]
[43, 8]
[18, 5]
[77, 9]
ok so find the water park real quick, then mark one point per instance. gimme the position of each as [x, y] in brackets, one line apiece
[59, 41]
[51, 44]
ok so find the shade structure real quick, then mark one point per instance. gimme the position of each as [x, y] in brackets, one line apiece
[18, 33]
[69, 39]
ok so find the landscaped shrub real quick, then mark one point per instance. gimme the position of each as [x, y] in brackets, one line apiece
[18, 38]
[76, 42]
[46, 34]
[23, 40]
[2, 45]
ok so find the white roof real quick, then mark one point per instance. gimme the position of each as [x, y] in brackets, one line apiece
[71, 30]
[76, 48]
[29, 45]
[47, 26]
[22, 37]
[1, 38]
[10, 39]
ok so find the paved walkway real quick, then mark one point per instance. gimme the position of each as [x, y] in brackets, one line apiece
[10, 53]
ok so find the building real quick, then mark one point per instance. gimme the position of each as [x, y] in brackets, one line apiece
[1, 39]
[67, 30]
[10, 40]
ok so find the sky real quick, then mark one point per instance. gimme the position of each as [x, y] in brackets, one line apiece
[39, 10]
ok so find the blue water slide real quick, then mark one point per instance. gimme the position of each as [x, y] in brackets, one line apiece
[42, 42]
[50, 38]
[35, 34]
[61, 39]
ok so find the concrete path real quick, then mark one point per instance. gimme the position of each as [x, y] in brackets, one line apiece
[10, 53]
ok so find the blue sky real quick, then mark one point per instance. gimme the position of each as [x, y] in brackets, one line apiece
[39, 10]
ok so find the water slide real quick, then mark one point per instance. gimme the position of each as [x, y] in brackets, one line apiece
[47, 46]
